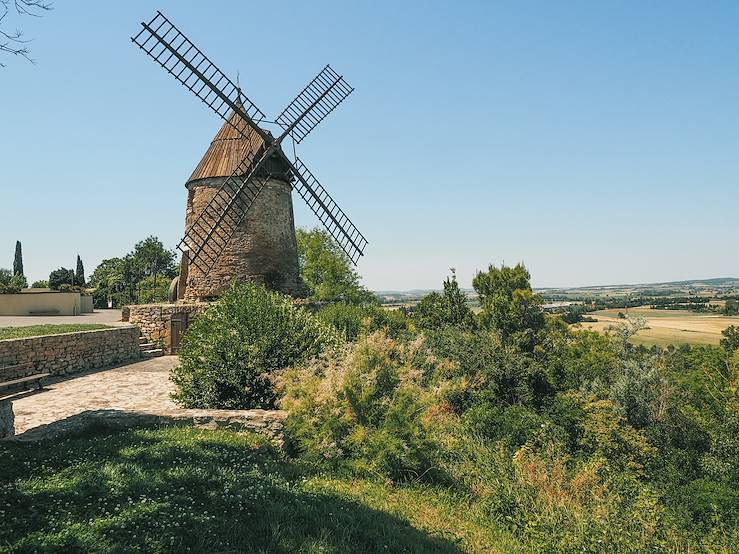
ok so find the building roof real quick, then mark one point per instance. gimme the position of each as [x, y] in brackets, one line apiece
[226, 150]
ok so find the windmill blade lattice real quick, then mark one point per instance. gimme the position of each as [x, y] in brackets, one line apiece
[206, 238]
[172, 50]
[318, 99]
[333, 218]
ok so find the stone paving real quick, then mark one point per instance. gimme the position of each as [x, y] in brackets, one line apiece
[120, 397]
[105, 317]
[139, 387]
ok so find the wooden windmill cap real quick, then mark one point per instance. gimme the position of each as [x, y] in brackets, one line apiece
[226, 151]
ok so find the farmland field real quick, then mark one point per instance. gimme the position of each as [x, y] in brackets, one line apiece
[668, 326]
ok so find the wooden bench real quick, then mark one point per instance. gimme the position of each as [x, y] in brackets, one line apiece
[37, 377]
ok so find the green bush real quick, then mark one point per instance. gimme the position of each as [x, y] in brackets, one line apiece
[59, 277]
[40, 285]
[364, 407]
[11, 284]
[230, 352]
[354, 320]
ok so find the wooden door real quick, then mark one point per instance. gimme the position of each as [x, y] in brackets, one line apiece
[178, 326]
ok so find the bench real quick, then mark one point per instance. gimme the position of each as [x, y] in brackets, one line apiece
[44, 312]
[25, 380]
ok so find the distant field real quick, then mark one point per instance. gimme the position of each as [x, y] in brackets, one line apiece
[668, 326]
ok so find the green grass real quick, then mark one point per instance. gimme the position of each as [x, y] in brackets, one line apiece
[192, 490]
[39, 330]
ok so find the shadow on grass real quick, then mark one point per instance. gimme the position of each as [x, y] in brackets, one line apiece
[182, 489]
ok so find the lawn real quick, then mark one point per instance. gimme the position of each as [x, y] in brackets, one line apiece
[668, 326]
[194, 490]
[40, 330]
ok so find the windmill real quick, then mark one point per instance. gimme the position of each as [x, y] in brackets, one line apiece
[239, 223]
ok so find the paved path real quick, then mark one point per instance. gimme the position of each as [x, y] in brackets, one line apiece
[139, 387]
[106, 317]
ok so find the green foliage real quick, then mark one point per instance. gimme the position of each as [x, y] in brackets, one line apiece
[18, 259]
[11, 283]
[79, 274]
[509, 305]
[353, 320]
[731, 307]
[326, 270]
[41, 330]
[436, 310]
[59, 277]
[231, 352]
[141, 276]
[730, 342]
[40, 285]
[365, 407]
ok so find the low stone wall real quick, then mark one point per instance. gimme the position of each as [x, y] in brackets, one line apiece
[6, 419]
[155, 320]
[269, 422]
[68, 353]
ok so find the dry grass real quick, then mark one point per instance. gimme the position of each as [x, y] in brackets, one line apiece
[668, 326]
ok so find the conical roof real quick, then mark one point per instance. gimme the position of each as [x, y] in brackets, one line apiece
[226, 150]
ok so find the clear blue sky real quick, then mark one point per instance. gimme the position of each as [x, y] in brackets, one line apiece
[595, 141]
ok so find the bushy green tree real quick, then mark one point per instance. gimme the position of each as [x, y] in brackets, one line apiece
[730, 342]
[230, 353]
[60, 277]
[435, 310]
[11, 284]
[509, 304]
[40, 284]
[18, 259]
[326, 270]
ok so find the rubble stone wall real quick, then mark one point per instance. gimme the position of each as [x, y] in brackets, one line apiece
[68, 353]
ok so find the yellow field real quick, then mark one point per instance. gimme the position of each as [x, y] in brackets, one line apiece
[668, 326]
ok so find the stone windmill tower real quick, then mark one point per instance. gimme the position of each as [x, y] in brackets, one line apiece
[263, 247]
[239, 222]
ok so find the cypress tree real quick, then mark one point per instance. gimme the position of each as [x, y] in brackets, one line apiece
[18, 260]
[79, 276]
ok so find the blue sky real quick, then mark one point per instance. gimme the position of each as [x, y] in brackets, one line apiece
[595, 141]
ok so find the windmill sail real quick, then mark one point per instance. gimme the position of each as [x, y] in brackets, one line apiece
[333, 218]
[318, 99]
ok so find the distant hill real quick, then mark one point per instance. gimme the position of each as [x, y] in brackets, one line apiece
[718, 284]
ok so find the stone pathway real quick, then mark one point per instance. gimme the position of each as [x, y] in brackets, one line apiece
[105, 317]
[138, 387]
[125, 396]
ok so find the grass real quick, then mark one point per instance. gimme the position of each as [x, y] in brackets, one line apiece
[668, 326]
[194, 490]
[40, 330]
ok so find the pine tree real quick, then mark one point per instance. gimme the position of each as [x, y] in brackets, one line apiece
[18, 260]
[79, 276]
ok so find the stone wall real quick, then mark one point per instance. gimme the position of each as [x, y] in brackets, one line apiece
[262, 249]
[154, 320]
[68, 353]
[6, 419]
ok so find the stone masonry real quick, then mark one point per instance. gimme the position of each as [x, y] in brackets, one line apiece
[6, 419]
[155, 320]
[69, 352]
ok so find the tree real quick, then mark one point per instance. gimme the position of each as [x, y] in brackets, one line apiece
[12, 42]
[108, 282]
[327, 271]
[730, 342]
[40, 285]
[59, 277]
[150, 259]
[18, 260]
[449, 308]
[79, 275]
[731, 307]
[509, 305]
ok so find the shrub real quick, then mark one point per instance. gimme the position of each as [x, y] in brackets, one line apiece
[40, 285]
[364, 407]
[59, 277]
[231, 351]
[11, 284]
[354, 320]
